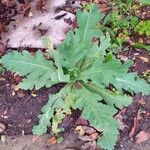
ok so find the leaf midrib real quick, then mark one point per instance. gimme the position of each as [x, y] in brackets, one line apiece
[128, 82]
[31, 64]
[86, 28]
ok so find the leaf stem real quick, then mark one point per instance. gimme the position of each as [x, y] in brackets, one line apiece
[95, 89]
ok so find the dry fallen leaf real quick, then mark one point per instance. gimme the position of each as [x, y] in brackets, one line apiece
[89, 130]
[16, 88]
[82, 121]
[94, 136]
[33, 94]
[2, 127]
[3, 138]
[80, 130]
[20, 94]
[2, 79]
[141, 101]
[137, 118]
[30, 14]
[119, 118]
[52, 141]
[35, 138]
[13, 93]
[144, 59]
[142, 136]
[85, 138]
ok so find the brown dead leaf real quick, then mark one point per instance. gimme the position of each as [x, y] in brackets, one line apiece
[85, 138]
[30, 14]
[2, 79]
[142, 136]
[82, 121]
[13, 93]
[94, 136]
[33, 94]
[16, 88]
[9, 3]
[137, 118]
[119, 117]
[35, 138]
[89, 146]
[2, 48]
[89, 130]
[148, 114]
[3, 138]
[144, 59]
[2, 127]
[141, 40]
[20, 94]
[141, 101]
[52, 141]
[80, 130]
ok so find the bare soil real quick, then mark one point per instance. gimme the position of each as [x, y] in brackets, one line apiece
[19, 109]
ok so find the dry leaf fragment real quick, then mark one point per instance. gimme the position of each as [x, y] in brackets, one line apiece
[16, 87]
[85, 138]
[80, 130]
[144, 59]
[2, 127]
[52, 141]
[21, 94]
[13, 93]
[89, 130]
[94, 136]
[3, 138]
[35, 138]
[82, 121]
[137, 118]
[2, 79]
[30, 14]
[33, 94]
[142, 136]
[141, 101]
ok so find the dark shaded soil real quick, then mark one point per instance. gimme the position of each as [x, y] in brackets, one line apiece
[136, 117]
[19, 110]
[138, 111]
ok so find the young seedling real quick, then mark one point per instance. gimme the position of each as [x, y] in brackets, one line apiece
[88, 71]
